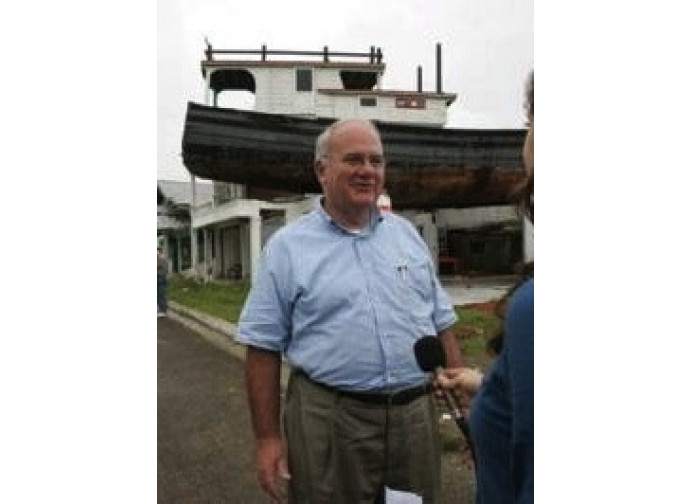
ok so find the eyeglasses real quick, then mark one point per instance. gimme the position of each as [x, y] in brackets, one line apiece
[356, 160]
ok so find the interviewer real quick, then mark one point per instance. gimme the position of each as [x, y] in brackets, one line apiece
[502, 410]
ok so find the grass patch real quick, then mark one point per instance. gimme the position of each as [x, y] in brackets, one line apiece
[221, 300]
[477, 317]
[475, 326]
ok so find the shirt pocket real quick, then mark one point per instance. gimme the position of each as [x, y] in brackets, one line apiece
[416, 279]
[415, 287]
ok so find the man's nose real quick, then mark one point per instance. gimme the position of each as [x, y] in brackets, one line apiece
[371, 162]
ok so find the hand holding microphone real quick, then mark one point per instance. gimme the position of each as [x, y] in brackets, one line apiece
[468, 380]
[431, 358]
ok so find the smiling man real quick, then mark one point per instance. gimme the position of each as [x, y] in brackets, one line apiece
[350, 168]
[343, 293]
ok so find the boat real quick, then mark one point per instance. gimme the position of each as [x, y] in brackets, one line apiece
[452, 184]
[427, 167]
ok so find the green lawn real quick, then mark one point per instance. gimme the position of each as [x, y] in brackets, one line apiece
[473, 329]
[225, 300]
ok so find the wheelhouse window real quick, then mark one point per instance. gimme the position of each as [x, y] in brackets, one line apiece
[304, 79]
[367, 101]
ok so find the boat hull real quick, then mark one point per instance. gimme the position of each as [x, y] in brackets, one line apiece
[426, 167]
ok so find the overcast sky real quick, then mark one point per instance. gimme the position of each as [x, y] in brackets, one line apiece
[487, 50]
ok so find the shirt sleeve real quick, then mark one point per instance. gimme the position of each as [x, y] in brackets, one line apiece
[265, 318]
[519, 345]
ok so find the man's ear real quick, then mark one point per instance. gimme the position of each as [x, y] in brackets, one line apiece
[318, 168]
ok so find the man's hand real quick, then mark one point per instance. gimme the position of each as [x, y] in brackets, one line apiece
[271, 466]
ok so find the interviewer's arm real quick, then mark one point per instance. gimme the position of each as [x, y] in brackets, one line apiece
[519, 346]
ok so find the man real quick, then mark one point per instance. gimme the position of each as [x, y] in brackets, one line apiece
[344, 292]
[162, 264]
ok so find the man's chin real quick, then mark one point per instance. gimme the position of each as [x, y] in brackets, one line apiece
[364, 195]
[364, 201]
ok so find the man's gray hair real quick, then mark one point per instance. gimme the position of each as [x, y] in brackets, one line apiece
[323, 140]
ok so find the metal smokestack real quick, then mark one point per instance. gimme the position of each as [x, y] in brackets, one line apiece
[438, 69]
[419, 78]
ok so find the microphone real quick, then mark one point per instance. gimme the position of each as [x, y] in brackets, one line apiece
[431, 358]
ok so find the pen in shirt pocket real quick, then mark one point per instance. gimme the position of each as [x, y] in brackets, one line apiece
[403, 270]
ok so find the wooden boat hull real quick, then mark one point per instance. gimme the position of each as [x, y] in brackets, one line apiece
[426, 167]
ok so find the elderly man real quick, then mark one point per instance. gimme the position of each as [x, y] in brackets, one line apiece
[343, 293]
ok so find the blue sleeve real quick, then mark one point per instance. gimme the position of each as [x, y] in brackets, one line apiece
[265, 320]
[519, 345]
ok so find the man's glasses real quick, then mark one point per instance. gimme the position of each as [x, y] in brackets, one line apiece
[356, 160]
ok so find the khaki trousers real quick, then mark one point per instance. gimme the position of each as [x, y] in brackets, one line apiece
[343, 450]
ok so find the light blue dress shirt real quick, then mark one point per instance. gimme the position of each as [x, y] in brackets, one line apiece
[345, 307]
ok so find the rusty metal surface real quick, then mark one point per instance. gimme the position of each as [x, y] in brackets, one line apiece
[427, 167]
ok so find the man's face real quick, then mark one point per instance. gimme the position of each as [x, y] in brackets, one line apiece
[353, 173]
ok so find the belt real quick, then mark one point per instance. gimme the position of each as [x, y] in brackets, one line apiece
[398, 398]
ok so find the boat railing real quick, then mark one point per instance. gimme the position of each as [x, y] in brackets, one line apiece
[375, 55]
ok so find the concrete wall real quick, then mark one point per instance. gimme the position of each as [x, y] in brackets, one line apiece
[474, 217]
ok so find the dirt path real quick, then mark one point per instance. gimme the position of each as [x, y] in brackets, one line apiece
[457, 473]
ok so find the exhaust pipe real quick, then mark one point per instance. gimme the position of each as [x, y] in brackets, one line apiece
[438, 69]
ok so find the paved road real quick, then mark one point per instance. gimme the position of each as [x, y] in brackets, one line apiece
[205, 442]
[205, 445]
[463, 291]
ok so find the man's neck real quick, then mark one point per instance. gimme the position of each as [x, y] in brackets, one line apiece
[353, 222]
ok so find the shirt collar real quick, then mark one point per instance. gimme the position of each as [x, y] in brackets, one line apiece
[376, 216]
